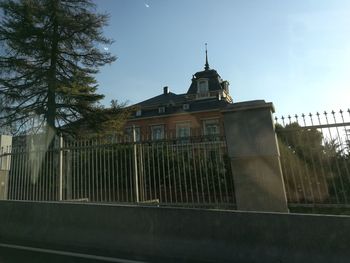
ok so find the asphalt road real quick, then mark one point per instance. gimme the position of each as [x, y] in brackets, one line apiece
[19, 254]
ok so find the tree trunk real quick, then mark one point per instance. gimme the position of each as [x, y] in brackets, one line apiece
[52, 83]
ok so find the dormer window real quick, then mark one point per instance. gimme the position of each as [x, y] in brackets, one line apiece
[161, 109]
[202, 86]
[138, 113]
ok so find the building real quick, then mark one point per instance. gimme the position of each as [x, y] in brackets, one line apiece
[194, 113]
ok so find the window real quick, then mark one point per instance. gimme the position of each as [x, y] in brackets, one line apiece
[161, 109]
[183, 130]
[138, 113]
[157, 132]
[130, 135]
[211, 127]
[203, 86]
[186, 106]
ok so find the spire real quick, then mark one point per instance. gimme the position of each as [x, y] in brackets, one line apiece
[206, 58]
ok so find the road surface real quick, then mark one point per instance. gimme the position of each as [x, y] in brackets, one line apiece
[18, 254]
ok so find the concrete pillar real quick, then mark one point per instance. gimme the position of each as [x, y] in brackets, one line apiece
[255, 159]
[5, 160]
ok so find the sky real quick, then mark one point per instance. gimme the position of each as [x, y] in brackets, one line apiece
[295, 54]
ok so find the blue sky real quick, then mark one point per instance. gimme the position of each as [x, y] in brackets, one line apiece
[293, 53]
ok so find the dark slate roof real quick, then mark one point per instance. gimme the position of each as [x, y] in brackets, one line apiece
[214, 80]
[173, 103]
[163, 100]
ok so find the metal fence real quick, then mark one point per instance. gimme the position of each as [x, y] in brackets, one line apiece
[192, 171]
[315, 158]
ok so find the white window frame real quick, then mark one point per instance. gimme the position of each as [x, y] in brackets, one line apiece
[138, 113]
[183, 129]
[129, 133]
[161, 109]
[211, 122]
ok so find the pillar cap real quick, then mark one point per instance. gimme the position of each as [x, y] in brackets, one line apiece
[249, 105]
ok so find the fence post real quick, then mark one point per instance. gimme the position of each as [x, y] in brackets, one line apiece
[137, 199]
[68, 174]
[5, 161]
[255, 160]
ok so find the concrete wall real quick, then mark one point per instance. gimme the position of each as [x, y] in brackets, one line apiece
[176, 235]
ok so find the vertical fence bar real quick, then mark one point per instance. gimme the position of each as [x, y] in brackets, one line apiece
[141, 172]
[174, 171]
[81, 184]
[125, 173]
[189, 166]
[158, 171]
[26, 172]
[100, 171]
[60, 167]
[163, 171]
[117, 169]
[17, 172]
[113, 169]
[87, 169]
[195, 171]
[200, 171]
[93, 177]
[149, 178]
[217, 168]
[74, 170]
[136, 174]
[45, 176]
[183, 171]
[104, 173]
[222, 162]
[10, 174]
[154, 173]
[205, 161]
[109, 169]
[178, 171]
[169, 173]
[81, 181]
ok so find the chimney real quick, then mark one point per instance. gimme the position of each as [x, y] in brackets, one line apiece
[166, 90]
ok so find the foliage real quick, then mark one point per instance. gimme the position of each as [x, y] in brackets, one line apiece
[49, 55]
[306, 144]
[101, 122]
[315, 169]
